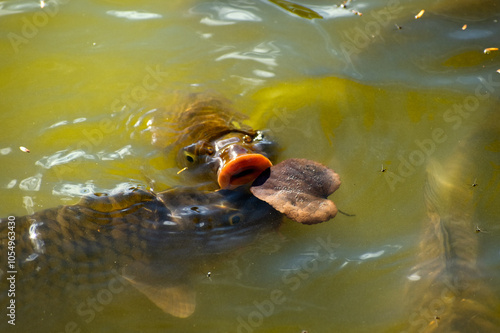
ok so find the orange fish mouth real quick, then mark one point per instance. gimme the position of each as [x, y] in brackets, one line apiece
[241, 170]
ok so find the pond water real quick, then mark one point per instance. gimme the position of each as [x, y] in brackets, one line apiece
[394, 104]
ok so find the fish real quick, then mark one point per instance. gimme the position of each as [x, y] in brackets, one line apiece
[212, 142]
[155, 242]
[447, 291]
[151, 241]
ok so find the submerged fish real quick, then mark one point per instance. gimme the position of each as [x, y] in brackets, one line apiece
[154, 241]
[447, 288]
[212, 142]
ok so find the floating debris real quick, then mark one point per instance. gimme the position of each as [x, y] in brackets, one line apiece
[299, 188]
[344, 6]
[489, 49]
[474, 184]
[478, 230]
[24, 149]
[464, 27]
[498, 70]
[297, 9]
[419, 15]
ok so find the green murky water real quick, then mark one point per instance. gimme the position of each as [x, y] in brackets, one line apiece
[80, 80]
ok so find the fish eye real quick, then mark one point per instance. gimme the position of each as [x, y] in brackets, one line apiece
[209, 150]
[247, 138]
[235, 218]
[259, 136]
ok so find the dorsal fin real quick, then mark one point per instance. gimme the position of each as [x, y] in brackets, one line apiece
[104, 203]
[101, 208]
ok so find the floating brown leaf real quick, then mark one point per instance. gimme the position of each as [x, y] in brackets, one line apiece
[299, 189]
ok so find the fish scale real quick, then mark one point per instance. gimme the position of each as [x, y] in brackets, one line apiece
[65, 254]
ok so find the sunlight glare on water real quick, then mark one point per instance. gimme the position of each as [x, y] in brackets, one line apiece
[376, 97]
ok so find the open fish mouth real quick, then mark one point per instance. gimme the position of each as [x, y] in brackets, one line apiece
[241, 170]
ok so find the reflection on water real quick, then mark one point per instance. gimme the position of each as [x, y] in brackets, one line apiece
[81, 82]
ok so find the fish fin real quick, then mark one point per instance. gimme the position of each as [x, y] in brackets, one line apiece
[179, 301]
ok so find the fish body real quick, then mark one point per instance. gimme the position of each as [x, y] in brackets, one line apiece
[212, 142]
[152, 241]
[157, 241]
[447, 289]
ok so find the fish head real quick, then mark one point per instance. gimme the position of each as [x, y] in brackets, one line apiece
[233, 159]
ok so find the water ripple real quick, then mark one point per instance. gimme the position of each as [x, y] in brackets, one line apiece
[470, 34]
[133, 15]
[61, 157]
[31, 183]
[265, 53]
[218, 15]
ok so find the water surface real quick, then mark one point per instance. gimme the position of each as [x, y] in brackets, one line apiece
[382, 91]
